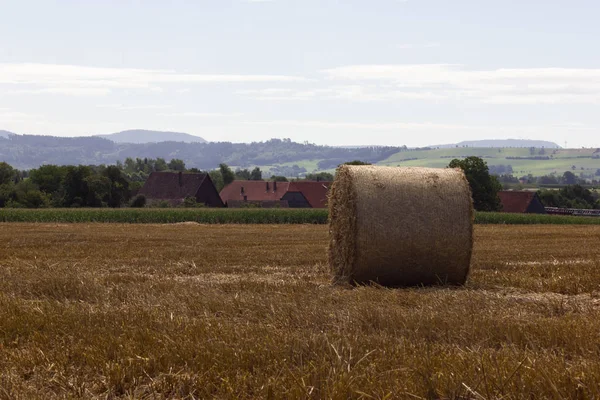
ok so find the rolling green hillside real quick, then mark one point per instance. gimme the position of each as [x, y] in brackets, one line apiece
[559, 160]
[287, 158]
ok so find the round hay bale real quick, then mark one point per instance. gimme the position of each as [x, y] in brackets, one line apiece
[400, 226]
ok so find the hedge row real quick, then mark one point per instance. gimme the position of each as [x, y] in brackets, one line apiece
[241, 216]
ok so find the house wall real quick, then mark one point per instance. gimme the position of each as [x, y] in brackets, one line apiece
[296, 200]
[207, 194]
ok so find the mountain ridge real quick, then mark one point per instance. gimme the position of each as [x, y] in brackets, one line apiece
[142, 136]
[6, 134]
[284, 157]
[500, 143]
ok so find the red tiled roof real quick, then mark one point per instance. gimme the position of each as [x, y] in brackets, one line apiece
[314, 192]
[169, 185]
[254, 191]
[516, 202]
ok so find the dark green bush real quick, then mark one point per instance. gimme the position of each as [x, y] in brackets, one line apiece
[138, 201]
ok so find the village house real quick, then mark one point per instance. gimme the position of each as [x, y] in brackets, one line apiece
[176, 187]
[523, 202]
[301, 194]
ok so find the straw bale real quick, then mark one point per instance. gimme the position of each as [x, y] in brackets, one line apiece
[400, 226]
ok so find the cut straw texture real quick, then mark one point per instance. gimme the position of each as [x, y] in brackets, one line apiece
[400, 226]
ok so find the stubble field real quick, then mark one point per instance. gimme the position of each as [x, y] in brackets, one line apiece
[247, 311]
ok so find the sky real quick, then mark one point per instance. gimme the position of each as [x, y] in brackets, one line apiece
[335, 72]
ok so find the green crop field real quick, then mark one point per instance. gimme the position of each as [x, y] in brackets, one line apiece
[242, 216]
[167, 216]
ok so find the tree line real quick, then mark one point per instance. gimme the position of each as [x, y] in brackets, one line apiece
[106, 186]
[485, 187]
[63, 186]
[118, 185]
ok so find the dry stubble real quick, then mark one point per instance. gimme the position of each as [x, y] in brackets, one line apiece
[192, 311]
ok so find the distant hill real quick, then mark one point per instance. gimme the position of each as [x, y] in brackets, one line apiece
[496, 143]
[283, 157]
[140, 136]
[5, 134]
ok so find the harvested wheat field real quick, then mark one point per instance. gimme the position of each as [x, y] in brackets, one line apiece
[230, 311]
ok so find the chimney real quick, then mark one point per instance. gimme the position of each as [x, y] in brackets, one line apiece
[267, 186]
[180, 179]
[242, 191]
[274, 186]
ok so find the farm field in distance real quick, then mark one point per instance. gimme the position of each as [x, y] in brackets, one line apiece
[561, 160]
[248, 311]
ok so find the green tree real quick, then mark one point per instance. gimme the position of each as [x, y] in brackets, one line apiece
[75, 187]
[7, 193]
[98, 191]
[191, 202]
[176, 165]
[484, 187]
[129, 165]
[7, 173]
[572, 196]
[548, 180]
[320, 177]
[279, 178]
[256, 174]
[48, 177]
[160, 165]
[242, 174]
[357, 162]
[227, 174]
[138, 201]
[27, 194]
[217, 178]
[119, 192]
[569, 178]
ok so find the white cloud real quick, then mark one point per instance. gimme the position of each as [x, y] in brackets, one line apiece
[355, 92]
[410, 46]
[283, 94]
[93, 81]
[200, 115]
[135, 107]
[67, 91]
[356, 125]
[10, 116]
[447, 81]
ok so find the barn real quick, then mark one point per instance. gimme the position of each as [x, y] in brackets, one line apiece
[175, 187]
[307, 194]
[523, 202]
[301, 194]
